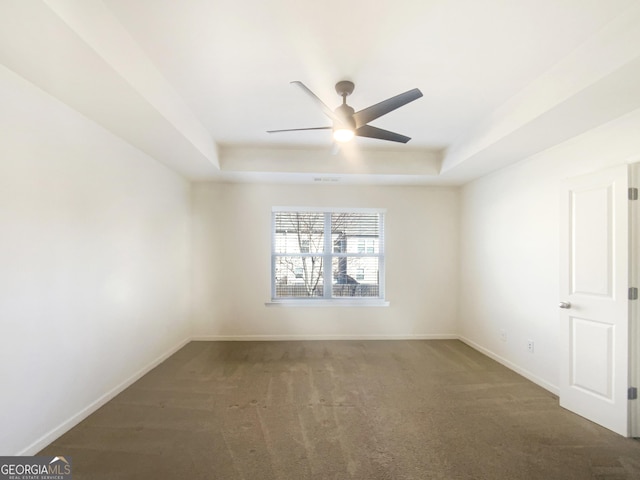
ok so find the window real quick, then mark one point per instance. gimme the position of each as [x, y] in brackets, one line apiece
[333, 255]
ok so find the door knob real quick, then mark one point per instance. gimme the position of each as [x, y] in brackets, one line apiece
[564, 305]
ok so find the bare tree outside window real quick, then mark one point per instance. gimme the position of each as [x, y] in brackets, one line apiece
[300, 233]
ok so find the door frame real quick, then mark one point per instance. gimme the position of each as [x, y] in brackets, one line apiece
[634, 308]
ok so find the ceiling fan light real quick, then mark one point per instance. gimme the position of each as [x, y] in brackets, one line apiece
[342, 134]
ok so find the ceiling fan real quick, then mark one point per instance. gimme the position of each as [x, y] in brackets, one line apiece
[348, 123]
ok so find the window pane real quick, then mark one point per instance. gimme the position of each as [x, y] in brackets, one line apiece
[355, 232]
[298, 277]
[355, 277]
[299, 232]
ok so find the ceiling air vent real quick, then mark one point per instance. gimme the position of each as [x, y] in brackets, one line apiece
[326, 179]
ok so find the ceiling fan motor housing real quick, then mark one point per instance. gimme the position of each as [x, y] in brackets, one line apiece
[345, 113]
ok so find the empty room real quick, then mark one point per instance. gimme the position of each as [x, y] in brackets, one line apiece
[319, 240]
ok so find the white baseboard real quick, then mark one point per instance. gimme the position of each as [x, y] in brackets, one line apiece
[68, 424]
[267, 338]
[512, 366]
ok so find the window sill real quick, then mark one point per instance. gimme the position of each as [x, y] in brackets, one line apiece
[328, 303]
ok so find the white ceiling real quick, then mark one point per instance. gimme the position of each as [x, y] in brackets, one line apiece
[197, 83]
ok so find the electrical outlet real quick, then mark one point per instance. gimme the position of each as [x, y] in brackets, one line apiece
[503, 335]
[530, 346]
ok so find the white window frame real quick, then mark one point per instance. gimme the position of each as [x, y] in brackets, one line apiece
[328, 255]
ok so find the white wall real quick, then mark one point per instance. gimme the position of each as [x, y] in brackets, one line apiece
[232, 246]
[509, 247]
[94, 264]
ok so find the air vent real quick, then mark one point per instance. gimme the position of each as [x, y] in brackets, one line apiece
[326, 179]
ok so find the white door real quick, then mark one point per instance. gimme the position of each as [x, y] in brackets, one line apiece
[594, 301]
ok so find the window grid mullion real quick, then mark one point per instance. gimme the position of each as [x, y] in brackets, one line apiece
[327, 257]
[381, 248]
[273, 256]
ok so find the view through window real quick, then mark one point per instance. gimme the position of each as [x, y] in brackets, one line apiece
[321, 254]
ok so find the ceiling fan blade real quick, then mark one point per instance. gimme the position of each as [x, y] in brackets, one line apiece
[380, 134]
[299, 129]
[327, 111]
[371, 113]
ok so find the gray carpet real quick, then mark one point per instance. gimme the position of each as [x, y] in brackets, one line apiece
[340, 410]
